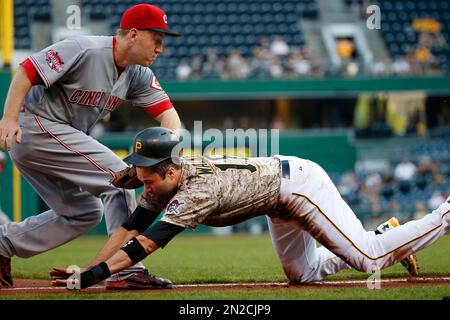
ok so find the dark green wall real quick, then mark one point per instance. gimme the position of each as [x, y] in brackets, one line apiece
[29, 202]
[6, 176]
[320, 87]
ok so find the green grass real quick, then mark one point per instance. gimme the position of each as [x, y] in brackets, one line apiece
[187, 259]
[241, 258]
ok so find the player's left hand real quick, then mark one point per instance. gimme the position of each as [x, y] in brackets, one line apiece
[59, 283]
[69, 284]
[63, 273]
[60, 275]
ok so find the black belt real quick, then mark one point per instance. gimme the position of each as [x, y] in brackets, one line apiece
[285, 169]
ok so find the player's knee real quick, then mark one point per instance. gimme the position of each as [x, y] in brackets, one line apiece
[296, 274]
[97, 216]
[364, 264]
[293, 275]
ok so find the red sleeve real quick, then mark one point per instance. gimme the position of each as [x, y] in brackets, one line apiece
[32, 74]
[159, 108]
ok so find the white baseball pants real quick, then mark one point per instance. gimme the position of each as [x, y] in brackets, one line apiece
[314, 209]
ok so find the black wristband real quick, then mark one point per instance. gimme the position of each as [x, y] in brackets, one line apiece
[94, 275]
[134, 250]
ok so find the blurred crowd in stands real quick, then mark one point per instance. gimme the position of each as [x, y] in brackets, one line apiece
[419, 48]
[418, 60]
[271, 59]
[407, 189]
[277, 60]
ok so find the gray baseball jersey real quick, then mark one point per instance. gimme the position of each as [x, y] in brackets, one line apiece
[69, 169]
[82, 83]
[220, 191]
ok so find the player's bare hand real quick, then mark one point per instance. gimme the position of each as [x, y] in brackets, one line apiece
[9, 128]
[59, 283]
[61, 273]
[66, 277]
[69, 284]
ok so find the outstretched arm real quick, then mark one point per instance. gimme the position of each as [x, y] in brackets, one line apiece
[118, 238]
[138, 248]
[133, 251]
[138, 222]
[9, 125]
[169, 119]
[114, 243]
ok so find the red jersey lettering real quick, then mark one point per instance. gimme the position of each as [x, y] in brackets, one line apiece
[113, 103]
[75, 96]
[87, 98]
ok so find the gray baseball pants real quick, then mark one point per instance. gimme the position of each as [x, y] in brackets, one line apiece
[70, 171]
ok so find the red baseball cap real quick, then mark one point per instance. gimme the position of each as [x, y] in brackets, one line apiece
[146, 16]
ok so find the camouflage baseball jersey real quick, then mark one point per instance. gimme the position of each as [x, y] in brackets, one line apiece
[221, 191]
[82, 83]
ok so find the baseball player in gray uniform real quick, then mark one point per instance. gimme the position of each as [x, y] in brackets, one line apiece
[301, 203]
[55, 99]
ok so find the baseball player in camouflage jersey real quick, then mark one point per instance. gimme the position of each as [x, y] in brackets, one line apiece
[55, 99]
[301, 203]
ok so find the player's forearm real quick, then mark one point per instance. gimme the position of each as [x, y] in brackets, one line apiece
[125, 258]
[114, 243]
[19, 88]
[133, 251]
[170, 119]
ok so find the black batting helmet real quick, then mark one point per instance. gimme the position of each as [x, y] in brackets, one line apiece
[152, 146]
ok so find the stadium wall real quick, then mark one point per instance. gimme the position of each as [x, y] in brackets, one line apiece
[242, 89]
[28, 201]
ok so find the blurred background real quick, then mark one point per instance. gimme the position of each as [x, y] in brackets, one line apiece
[360, 87]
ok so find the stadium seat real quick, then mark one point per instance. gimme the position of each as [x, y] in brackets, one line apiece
[398, 16]
[245, 21]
